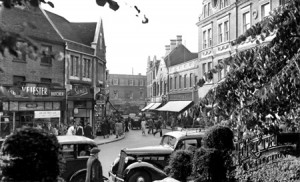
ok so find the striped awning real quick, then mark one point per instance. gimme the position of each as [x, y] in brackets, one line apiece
[147, 107]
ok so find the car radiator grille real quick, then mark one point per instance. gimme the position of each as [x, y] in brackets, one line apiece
[121, 164]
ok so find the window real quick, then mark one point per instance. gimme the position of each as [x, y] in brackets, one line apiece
[191, 79]
[209, 37]
[21, 52]
[204, 70]
[205, 11]
[209, 67]
[46, 54]
[46, 80]
[225, 3]
[226, 31]
[175, 82]
[282, 2]
[265, 10]
[141, 82]
[74, 66]
[220, 75]
[184, 82]
[171, 82]
[86, 68]
[196, 80]
[18, 79]
[115, 81]
[220, 30]
[221, 4]
[208, 9]
[204, 40]
[246, 21]
[115, 94]
[180, 79]
[141, 94]
[130, 82]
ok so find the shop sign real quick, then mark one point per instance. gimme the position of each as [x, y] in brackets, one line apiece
[36, 91]
[31, 105]
[57, 93]
[79, 90]
[46, 114]
[181, 97]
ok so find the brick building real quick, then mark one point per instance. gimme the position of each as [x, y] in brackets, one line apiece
[31, 88]
[127, 93]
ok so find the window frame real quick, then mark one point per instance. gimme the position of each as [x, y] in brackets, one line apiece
[246, 25]
[46, 58]
[204, 40]
[209, 37]
[220, 33]
[226, 31]
[263, 12]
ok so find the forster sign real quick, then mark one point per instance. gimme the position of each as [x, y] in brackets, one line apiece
[264, 149]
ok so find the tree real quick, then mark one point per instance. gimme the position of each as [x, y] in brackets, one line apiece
[264, 79]
[30, 155]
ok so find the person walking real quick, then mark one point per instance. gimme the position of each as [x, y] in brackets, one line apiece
[158, 126]
[127, 125]
[50, 129]
[72, 129]
[79, 129]
[88, 131]
[143, 126]
[94, 167]
[150, 125]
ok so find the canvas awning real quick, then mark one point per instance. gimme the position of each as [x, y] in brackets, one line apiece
[204, 90]
[154, 106]
[175, 106]
[148, 106]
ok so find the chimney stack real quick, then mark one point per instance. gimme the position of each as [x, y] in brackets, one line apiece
[173, 44]
[167, 49]
[179, 39]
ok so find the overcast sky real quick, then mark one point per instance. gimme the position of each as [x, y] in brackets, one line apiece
[129, 42]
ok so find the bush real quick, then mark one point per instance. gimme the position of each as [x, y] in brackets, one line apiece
[180, 165]
[30, 155]
[219, 137]
[287, 169]
[212, 165]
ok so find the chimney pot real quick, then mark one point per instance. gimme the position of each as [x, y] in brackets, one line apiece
[179, 39]
[173, 44]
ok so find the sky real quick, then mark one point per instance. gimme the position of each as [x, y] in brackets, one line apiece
[129, 42]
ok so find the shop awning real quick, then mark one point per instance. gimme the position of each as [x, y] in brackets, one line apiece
[147, 107]
[175, 106]
[154, 106]
[204, 90]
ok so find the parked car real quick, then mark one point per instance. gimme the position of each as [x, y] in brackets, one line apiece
[147, 163]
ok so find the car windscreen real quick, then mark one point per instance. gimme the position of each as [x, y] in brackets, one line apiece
[168, 140]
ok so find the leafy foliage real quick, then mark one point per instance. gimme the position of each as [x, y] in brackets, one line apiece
[263, 79]
[211, 165]
[180, 166]
[30, 155]
[219, 137]
[278, 170]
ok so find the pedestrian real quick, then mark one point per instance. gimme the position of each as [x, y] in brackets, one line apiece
[50, 129]
[118, 128]
[158, 126]
[71, 130]
[105, 128]
[79, 129]
[150, 125]
[88, 131]
[94, 167]
[143, 126]
[127, 125]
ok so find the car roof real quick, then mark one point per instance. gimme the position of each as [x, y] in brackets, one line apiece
[180, 134]
[74, 139]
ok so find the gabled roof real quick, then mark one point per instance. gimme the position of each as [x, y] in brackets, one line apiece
[179, 54]
[78, 32]
[39, 27]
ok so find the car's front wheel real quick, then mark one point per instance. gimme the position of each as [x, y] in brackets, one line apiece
[139, 176]
[78, 178]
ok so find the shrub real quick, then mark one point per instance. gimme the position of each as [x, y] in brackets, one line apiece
[287, 169]
[212, 165]
[30, 155]
[219, 137]
[180, 166]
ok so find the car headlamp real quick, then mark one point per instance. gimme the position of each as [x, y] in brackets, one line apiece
[127, 159]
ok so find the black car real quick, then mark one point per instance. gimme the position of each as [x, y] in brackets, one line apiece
[147, 163]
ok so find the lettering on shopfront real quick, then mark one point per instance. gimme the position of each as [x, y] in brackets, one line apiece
[37, 91]
[57, 93]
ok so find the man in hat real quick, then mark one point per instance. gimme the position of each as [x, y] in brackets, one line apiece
[94, 167]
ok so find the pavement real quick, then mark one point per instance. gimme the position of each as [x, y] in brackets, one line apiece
[112, 138]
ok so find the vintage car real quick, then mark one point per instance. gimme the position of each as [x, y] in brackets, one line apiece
[146, 164]
[136, 123]
[76, 151]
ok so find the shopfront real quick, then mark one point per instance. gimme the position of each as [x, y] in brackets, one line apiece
[80, 104]
[23, 105]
